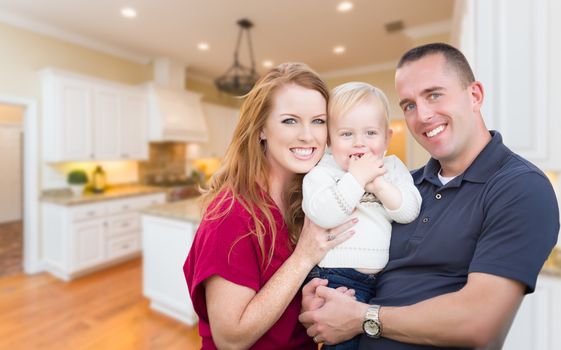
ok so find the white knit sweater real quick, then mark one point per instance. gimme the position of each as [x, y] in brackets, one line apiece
[332, 197]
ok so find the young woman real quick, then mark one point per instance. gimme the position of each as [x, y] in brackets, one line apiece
[254, 248]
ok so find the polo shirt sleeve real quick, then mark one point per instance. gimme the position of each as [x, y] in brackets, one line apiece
[223, 247]
[520, 227]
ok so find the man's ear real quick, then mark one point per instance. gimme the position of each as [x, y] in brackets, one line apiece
[477, 95]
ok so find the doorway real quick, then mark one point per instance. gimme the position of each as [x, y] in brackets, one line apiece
[29, 187]
[11, 190]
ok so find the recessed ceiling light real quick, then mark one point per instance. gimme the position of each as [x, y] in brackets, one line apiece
[339, 49]
[203, 46]
[345, 6]
[128, 12]
[268, 64]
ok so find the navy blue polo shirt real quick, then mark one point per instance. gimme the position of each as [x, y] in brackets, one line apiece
[499, 217]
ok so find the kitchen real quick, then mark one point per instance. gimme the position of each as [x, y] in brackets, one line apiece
[167, 160]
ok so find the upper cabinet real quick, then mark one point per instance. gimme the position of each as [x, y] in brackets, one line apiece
[221, 122]
[514, 47]
[91, 119]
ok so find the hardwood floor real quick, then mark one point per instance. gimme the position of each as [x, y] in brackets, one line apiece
[11, 249]
[105, 310]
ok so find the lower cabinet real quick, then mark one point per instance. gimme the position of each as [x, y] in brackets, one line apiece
[82, 238]
[538, 321]
[166, 243]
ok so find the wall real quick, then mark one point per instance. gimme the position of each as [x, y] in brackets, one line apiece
[11, 114]
[11, 118]
[210, 93]
[24, 53]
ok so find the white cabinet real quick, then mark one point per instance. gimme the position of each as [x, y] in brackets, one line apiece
[538, 320]
[88, 243]
[514, 47]
[67, 117]
[81, 238]
[166, 243]
[221, 123]
[92, 119]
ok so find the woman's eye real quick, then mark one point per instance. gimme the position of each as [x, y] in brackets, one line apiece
[289, 121]
[318, 121]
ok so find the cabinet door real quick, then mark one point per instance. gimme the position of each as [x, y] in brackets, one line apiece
[87, 243]
[221, 123]
[133, 133]
[74, 106]
[538, 320]
[107, 123]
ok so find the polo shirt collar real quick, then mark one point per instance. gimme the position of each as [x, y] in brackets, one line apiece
[484, 165]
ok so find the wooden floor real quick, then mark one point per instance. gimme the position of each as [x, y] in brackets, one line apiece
[105, 310]
[11, 249]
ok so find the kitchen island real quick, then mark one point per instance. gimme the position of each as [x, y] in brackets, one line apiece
[167, 234]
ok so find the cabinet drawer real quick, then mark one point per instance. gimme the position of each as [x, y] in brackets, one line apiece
[148, 201]
[122, 245]
[119, 224]
[87, 212]
[121, 206]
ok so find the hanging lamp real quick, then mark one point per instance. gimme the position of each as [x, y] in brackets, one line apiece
[239, 79]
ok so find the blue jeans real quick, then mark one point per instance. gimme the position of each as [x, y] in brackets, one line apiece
[363, 284]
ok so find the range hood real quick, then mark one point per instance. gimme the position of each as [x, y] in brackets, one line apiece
[175, 114]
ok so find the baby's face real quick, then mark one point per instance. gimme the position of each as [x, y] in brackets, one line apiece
[363, 129]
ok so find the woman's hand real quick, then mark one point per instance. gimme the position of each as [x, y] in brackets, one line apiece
[315, 241]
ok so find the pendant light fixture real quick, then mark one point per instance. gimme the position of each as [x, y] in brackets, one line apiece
[239, 79]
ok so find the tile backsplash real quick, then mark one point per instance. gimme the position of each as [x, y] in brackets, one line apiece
[165, 158]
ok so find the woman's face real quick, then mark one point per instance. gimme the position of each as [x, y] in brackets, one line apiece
[295, 131]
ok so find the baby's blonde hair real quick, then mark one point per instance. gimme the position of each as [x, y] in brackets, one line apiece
[346, 96]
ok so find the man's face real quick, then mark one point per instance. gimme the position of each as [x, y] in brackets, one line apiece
[440, 113]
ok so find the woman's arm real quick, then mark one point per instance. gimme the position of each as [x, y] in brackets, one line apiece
[239, 316]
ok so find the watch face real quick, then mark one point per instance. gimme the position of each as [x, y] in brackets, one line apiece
[371, 328]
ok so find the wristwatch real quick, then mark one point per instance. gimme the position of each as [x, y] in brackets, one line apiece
[372, 326]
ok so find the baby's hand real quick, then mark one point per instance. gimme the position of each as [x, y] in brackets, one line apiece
[366, 168]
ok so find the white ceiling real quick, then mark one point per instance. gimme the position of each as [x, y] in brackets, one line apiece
[285, 30]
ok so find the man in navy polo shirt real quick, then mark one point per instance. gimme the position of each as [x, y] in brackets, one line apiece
[489, 219]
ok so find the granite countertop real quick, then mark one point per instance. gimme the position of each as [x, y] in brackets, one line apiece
[185, 210]
[65, 196]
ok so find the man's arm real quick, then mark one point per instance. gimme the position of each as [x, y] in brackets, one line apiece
[473, 316]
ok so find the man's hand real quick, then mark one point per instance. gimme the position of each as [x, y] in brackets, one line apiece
[338, 319]
[310, 301]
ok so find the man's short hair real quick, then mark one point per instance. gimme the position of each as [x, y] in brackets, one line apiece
[454, 58]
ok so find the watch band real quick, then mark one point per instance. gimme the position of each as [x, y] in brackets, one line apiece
[372, 326]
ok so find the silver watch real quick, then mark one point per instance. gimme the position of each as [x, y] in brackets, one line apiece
[372, 326]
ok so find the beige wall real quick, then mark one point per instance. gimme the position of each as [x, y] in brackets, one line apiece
[211, 94]
[11, 114]
[23, 53]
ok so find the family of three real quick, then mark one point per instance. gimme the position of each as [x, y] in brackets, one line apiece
[311, 234]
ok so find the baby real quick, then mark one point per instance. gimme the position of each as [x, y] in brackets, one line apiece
[354, 179]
